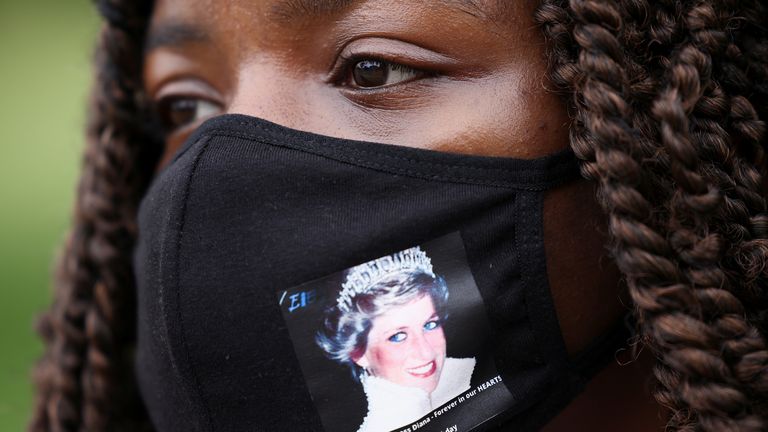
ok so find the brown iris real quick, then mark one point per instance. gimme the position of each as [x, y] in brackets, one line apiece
[370, 73]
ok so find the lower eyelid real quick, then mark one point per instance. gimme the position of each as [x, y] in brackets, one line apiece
[404, 96]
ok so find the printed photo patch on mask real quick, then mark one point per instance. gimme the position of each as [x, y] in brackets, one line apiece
[398, 343]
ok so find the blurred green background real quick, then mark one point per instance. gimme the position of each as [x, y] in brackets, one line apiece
[45, 53]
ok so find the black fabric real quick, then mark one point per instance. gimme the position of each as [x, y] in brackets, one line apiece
[249, 208]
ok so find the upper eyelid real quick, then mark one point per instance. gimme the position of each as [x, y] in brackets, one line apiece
[392, 51]
[186, 85]
[344, 65]
[182, 96]
[357, 59]
[395, 334]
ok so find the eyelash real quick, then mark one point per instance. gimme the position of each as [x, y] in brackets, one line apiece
[344, 73]
[343, 77]
[165, 106]
[434, 324]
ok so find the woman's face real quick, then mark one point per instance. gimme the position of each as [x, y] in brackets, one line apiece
[463, 76]
[406, 345]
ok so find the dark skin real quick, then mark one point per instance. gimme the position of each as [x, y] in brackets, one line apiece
[446, 75]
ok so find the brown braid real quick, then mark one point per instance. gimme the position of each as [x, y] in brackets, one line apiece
[709, 386]
[694, 256]
[667, 99]
[745, 74]
[85, 378]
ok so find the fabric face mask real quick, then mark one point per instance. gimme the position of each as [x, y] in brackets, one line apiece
[294, 282]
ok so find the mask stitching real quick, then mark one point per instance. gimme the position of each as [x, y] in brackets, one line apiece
[178, 244]
[563, 163]
[567, 171]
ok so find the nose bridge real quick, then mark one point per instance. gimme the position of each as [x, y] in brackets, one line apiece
[422, 346]
[263, 90]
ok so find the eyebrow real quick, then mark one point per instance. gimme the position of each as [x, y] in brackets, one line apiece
[178, 33]
[290, 10]
[432, 317]
[174, 33]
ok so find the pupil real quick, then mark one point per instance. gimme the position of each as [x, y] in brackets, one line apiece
[182, 111]
[370, 73]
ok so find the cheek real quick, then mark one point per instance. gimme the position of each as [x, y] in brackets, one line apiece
[584, 282]
[388, 356]
[436, 339]
[510, 118]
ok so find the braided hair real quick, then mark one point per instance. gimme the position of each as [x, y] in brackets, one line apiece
[667, 99]
[84, 380]
[667, 121]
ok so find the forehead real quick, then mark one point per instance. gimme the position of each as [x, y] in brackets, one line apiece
[220, 16]
[414, 312]
[291, 9]
[285, 60]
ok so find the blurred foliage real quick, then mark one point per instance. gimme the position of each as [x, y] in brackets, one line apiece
[45, 54]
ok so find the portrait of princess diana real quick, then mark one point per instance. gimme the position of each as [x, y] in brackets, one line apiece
[387, 327]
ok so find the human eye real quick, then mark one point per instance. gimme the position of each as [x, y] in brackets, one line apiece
[431, 325]
[371, 73]
[177, 111]
[397, 337]
[182, 103]
[385, 73]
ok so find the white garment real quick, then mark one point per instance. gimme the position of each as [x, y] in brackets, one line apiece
[392, 406]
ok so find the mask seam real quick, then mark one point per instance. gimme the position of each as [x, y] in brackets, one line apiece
[524, 210]
[569, 172]
[539, 301]
[176, 272]
[376, 153]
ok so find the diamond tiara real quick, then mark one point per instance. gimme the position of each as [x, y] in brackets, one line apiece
[363, 277]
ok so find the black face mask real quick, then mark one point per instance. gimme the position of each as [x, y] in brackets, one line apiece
[257, 242]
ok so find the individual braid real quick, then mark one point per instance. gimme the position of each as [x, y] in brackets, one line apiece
[720, 402]
[85, 377]
[557, 26]
[743, 210]
[642, 254]
[667, 242]
[744, 72]
[747, 256]
[732, 153]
